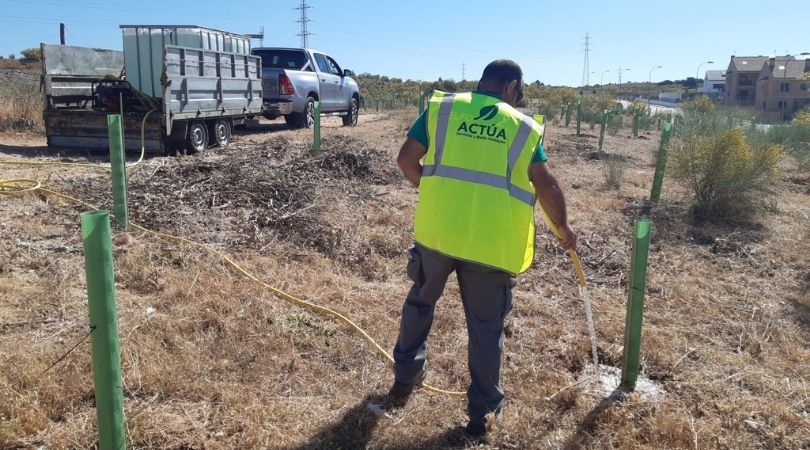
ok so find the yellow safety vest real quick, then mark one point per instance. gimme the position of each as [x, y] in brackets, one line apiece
[476, 202]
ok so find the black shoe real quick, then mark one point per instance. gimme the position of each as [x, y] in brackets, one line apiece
[401, 391]
[476, 430]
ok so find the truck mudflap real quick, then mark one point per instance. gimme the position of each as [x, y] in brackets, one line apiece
[88, 129]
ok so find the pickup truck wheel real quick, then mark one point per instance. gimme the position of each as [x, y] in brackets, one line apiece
[197, 137]
[350, 119]
[221, 132]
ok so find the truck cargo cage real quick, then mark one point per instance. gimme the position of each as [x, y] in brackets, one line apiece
[144, 45]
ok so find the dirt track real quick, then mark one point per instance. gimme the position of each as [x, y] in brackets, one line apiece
[211, 361]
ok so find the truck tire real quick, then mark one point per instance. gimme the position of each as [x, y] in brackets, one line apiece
[304, 119]
[350, 119]
[196, 137]
[220, 132]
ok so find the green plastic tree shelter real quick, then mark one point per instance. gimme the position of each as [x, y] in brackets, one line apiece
[602, 129]
[579, 116]
[421, 102]
[316, 128]
[661, 164]
[635, 304]
[567, 114]
[118, 169]
[99, 270]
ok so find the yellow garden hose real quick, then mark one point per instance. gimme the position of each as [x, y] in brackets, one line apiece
[25, 185]
[16, 186]
[94, 166]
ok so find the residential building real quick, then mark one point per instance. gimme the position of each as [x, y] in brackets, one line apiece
[783, 87]
[714, 83]
[741, 77]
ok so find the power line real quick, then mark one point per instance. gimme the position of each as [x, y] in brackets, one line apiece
[303, 20]
[586, 71]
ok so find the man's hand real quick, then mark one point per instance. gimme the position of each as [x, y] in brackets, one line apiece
[568, 239]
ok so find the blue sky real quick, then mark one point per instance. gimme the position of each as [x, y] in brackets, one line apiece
[422, 39]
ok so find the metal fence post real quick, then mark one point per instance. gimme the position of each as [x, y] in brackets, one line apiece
[118, 169]
[635, 303]
[99, 271]
[660, 164]
[316, 128]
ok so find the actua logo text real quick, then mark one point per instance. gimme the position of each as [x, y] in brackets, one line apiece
[478, 130]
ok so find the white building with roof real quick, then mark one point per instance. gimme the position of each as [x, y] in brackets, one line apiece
[714, 83]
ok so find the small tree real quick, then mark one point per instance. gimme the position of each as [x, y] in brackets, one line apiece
[700, 104]
[32, 54]
[12, 56]
[802, 117]
[731, 177]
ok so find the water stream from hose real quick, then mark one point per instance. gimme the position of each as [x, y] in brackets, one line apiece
[583, 292]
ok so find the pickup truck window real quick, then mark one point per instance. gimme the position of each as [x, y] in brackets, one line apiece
[334, 68]
[282, 59]
[323, 66]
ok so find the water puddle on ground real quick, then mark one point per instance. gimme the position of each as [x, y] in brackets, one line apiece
[603, 381]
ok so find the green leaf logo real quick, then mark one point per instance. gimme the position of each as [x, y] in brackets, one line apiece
[487, 112]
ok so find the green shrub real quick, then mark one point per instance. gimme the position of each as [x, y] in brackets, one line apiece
[701, 104]
[794, 138]
[802, 117]
[730, 175]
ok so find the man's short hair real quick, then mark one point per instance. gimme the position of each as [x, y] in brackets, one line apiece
[502, 71]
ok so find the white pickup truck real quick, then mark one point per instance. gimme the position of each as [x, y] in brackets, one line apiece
[294, 78]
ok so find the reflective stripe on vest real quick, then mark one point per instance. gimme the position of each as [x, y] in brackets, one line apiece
[475, 199]
[457, 173]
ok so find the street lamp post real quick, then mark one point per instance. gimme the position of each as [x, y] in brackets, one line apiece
[602, 80]
[620, 81]
[649, 81]
[697, 72]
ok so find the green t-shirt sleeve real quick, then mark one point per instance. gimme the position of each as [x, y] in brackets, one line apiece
[539, 154]
[418, 130]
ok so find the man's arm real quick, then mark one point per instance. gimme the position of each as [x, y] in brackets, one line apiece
[409, 158]
[553, 202]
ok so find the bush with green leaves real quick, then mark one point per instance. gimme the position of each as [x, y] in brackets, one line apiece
[730, 175]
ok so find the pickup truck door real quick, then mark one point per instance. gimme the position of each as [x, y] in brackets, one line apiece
[329, 79]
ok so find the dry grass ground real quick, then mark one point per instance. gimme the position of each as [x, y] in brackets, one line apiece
[212, 361]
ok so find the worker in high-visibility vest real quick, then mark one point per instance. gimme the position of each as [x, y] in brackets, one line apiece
[480, 166]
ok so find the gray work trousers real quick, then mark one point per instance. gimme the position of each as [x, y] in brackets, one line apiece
[486, 295]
